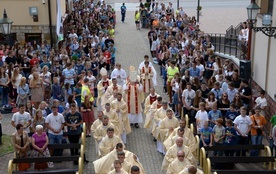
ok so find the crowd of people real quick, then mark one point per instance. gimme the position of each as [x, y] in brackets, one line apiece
[83, 83]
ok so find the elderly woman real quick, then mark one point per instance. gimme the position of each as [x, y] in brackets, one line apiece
[21, 146]
[40, 142]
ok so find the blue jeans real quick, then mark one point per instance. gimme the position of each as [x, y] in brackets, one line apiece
[256, 140]
[56, 139]
[4, 95]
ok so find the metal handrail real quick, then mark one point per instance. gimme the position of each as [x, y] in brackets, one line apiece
[208, 166]
[197, 149]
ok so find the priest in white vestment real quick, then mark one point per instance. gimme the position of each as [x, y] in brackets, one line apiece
[101, 129]
[146, 75]
[133, 89]
[151, 112]
[102, 165]
[117, 168]
[191, 170]
[172, 154]
[120, 107]
[119, 74]
[114, 87]
[125, 165]
[94, 126]
[109, 142]
[167, 125]
[169, 142]
[178, 164]
[152, 97]
[146, 58]
[102, 87]
[187, 133]
[113, 116]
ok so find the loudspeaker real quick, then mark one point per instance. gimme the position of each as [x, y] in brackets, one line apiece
[245, 69]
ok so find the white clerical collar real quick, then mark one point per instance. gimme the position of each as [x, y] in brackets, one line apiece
[153, 95]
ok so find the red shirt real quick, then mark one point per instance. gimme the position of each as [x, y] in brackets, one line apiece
[33, 61]
[107, 56]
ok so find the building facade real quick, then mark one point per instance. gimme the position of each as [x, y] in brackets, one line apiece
[27, 26]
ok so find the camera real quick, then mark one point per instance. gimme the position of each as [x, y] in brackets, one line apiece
[43, 1]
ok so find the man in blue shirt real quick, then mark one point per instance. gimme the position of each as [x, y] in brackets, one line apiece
[123, 12]
[194, 71]
[69, 75]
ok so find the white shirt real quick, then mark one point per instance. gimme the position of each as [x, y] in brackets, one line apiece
[202, 117]
[188, 96]
[242, 123]
[23, 119]
[55, 122]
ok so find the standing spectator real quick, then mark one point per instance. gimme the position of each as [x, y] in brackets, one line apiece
[230, 137]
[187, 96]
[22, 118]
[87, 113]
[39, 120]
[231, 114]
[217, 91]
[206, 138]
[15, 79]
[4, 89]
[36, 84]
[201, 117]
[46, 78]
[123, 12]
[40, 143]
[57, 90]
[21, 146]
[73, 121]
[137, 19]
[224, 104]
[242, 125]
[25, 67]
[261, 102]
[210, 101]
[237, 101]
[69, 75]
[23, 92]
[246, 93]
[231, 91]
[55, 122]
[257, 132]
[218, 134]
[214, 115]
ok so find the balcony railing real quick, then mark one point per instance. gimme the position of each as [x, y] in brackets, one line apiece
[230, 45]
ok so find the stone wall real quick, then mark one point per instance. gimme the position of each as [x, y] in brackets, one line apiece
[43, 29]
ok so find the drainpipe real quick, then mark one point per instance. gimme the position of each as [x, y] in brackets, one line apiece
[50, 23]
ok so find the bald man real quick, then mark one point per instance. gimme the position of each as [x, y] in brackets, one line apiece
[172, 154]
[191, 170]
[178, 164]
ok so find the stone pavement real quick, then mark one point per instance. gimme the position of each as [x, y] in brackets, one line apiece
[132, 45]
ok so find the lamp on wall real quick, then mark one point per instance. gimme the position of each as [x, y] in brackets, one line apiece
[6, 25]
[33, 11]
[252, 11]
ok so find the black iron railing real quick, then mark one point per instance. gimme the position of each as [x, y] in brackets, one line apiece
[229, 43]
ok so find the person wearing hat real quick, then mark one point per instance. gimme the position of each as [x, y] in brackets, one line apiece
[133, 90]
[102, 87]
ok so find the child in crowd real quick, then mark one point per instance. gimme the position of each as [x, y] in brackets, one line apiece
[57, 90]
[218, 133]
[201, 116]
[230, 137]
[214, 115]
[231, 114]
[77, 94]
[67, 92]
[206, 138]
